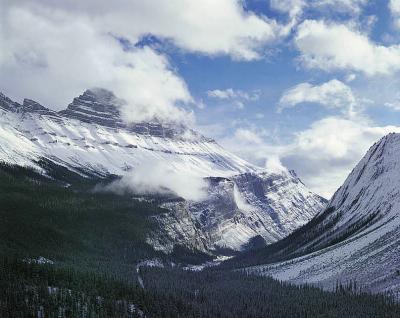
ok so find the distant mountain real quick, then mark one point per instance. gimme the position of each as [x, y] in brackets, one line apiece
[242, 203]
[357, 238]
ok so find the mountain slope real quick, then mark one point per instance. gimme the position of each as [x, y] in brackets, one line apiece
[357, 238]
[66, 251]
[90, 138]
[242, 207]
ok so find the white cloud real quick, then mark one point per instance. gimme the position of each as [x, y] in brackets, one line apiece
[233, 94]
[159, 177]
[273, 164]
[208, 26]
[325, 153]
[332, 94]
[237, 97]
[394, 7]
[248, 136]
[52, 56]
[346, 6]
[293, 7]
[259, 115]
[338, 47]
[222, 94]
[394, 104]
[350, 77]
[52, 51]
[249, 143]
[322, 155]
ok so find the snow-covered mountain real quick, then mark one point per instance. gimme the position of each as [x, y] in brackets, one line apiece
[358, 237]
[89, 137]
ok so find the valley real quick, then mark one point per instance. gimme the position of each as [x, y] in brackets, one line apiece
[72, 205]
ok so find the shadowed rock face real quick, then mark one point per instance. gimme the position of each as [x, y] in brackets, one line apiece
[248, 205]
[7, 104]
[102, 107]
[96, 106]
[30, 106]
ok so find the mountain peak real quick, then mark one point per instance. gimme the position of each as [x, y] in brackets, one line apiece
[101, 96]
[357, 237]
[101, 107]
[31, 106]
[8, 104]
[371, 190]
[96, 105]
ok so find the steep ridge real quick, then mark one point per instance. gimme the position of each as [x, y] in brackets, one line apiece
[357, 238]
[90, 138]
[240, 208]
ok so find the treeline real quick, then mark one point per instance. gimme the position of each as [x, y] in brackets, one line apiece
[42, 290]
[75, 225]
[35, 290]
[217, 293]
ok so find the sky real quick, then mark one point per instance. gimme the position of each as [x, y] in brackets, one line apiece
[306, 85]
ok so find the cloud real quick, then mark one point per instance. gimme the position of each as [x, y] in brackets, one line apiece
[249, 143]
[394, 104]
[160, 178]
[350, 77]
[325, 153]
[238, 97]
[53, 56]
[332, 94]
[394, 7]
[233, 94]
[248, 136]
[330, 46]
[274, 164]
[292, 7]
[211, 27]
[52, 51]
[295, 8]
[345, 6]
[322, 155]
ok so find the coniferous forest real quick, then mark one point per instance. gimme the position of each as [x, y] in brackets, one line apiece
[68, 251]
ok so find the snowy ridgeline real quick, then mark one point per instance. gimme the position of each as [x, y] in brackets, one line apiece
[366, 210]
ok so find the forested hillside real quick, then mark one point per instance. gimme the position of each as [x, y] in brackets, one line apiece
[45, 290]
[68, 251]
[68, 221]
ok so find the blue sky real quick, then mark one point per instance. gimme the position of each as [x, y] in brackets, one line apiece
[277, 72]
[303, 85]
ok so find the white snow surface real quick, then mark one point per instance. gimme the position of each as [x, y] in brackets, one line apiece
[28, 137]
[89, 136]
[368, 201]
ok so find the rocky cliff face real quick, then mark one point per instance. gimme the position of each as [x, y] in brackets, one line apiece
[248, 205]
[101, 107]
[96, 106]
[89, 137]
